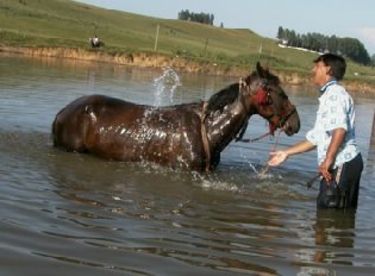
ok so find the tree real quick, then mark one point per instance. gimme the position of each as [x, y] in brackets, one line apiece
[201, 17]
[348, 47]
[373, 60]
[292, 38]
[212, 17]
[280, 33]
[333, 44]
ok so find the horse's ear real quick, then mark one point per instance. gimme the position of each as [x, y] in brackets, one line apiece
[260, 70]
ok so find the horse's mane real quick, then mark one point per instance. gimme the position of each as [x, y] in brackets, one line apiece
[222, 98]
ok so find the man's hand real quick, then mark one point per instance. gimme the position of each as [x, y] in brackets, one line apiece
[324, 169]
[277, 157]
[280, 156]
[337, 140]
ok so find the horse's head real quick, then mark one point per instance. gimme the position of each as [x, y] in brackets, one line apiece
[262, 92]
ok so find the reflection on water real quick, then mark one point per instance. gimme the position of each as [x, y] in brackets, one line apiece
[372, 141]
[334, 228]
[64, 213]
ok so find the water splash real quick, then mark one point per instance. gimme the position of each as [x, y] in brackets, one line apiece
[251, 165]
[165, 87]
[262, 172]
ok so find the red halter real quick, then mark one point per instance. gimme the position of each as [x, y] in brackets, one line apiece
[261, 96]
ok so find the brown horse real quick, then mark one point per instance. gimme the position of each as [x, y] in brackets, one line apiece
[190, 136]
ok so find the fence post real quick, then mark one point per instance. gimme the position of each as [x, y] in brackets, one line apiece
[156, 38]
[205, 47]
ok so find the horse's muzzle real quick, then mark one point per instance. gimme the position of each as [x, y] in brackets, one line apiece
[292, 124]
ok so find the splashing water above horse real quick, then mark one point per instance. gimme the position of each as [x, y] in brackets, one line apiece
[165, 86]
[190, 136]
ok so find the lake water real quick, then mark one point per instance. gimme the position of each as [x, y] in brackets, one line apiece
[74, 214]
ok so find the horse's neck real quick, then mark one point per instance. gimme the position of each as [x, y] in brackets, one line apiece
[222, 127]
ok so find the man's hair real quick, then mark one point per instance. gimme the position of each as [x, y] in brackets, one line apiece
[337, 64]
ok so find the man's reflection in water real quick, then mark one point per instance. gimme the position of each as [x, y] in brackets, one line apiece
[334, 236]
[371, 153]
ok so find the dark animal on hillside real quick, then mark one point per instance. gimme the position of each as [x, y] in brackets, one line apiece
[190, 136]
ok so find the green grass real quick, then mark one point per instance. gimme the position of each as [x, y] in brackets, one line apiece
[64, 23]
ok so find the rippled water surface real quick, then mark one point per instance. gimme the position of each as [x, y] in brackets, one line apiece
[74, 214]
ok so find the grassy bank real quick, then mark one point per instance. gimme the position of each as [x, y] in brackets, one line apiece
[69, 24]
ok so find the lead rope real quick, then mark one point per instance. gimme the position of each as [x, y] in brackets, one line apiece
[265, 169]
[255, 139]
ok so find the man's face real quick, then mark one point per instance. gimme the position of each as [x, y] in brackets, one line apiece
[320, 73]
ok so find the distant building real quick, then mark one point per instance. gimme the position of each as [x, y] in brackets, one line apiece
[283, 41]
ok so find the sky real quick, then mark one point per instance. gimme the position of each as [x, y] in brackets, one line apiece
[343, 18]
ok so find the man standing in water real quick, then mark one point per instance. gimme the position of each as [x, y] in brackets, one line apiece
[339, 159]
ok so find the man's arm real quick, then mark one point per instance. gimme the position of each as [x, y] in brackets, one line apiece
[278, 157]
[338, 137]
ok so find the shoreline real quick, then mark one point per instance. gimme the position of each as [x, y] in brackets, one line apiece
[158, 60]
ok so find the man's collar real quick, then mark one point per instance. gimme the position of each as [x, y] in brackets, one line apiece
[328, 84]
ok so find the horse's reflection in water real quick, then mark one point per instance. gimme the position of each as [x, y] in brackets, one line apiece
[190, 136]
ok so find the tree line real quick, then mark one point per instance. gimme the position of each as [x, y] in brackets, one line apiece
[204, 18]
[348, 47]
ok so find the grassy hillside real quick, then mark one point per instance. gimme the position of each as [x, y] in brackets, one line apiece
[40, 23]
